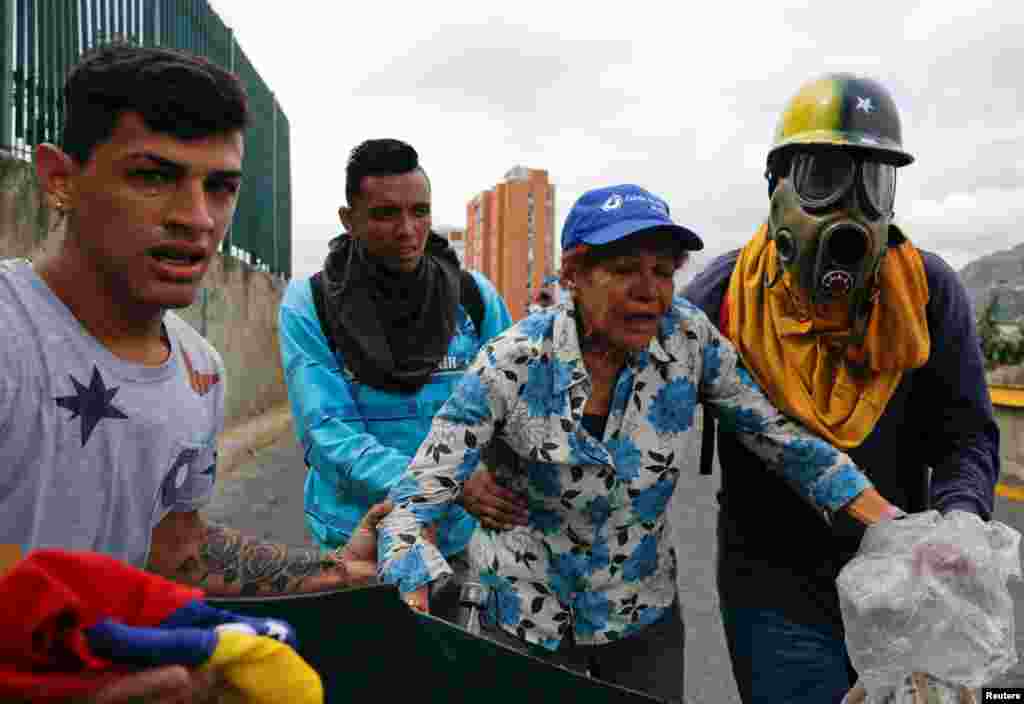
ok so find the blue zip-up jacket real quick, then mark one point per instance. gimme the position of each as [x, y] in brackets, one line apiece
[359, 440]
[940, 416]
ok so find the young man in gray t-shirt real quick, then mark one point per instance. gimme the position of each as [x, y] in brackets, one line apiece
[110, 405]
[99, 449]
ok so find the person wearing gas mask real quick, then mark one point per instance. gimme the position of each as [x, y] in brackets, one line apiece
[868, 341]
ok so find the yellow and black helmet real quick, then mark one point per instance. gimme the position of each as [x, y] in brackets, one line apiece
[842, 109]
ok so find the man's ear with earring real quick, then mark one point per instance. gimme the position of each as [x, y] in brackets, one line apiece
[60, 205]
[54, 171]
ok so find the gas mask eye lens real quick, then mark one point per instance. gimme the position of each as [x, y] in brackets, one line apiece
[879, 182]
[822, 178]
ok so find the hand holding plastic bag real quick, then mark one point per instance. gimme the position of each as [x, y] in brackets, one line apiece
[928, 594]
[918, 688]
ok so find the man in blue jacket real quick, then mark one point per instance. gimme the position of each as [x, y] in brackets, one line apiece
[374, 343]
[866, 340]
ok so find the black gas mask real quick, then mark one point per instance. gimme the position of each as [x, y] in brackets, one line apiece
[830, 214]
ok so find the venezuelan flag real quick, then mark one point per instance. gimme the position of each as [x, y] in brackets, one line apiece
[73, 621]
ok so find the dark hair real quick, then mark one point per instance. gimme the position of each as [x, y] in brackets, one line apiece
[379, 157]
[174, 92]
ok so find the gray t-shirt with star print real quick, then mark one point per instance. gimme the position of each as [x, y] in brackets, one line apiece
[94, 450]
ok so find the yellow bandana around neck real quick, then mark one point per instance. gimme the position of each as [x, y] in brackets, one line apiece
[795, 350]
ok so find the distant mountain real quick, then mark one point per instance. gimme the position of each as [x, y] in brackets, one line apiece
[1001, 273]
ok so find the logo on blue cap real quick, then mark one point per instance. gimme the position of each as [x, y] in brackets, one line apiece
[614, 202]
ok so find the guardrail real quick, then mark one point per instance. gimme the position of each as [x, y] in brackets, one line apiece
[1008, 404]
[1007, 395]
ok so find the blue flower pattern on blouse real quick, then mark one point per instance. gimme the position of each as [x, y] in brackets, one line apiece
[673, 407]
[536, 326]
[545, 477]
[650, 503]
[627, 458]
[643, 560]
[600, 556]
[599, 510]
[539, 393]
[470, 406]
[505, 606]
[712, 362]
[547, 522]
[468, 465]
[595, 558]
[645, 616]
[743, 421]
[464, 347]
[566, 574]
[585, 448]
[592, 611]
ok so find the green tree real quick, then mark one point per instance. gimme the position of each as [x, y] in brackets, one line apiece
[998, 349]
[988, 332]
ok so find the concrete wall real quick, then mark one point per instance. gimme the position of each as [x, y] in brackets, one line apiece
[25, 224]
[236, 311]
[1007, 387]
[1011, 440]
[1012, 375]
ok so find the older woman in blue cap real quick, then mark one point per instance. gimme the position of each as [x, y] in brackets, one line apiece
[595, 399]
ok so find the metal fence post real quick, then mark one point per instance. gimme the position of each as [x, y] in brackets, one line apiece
[41, 39]
[226, 247]
[6, 77]
[274, 183]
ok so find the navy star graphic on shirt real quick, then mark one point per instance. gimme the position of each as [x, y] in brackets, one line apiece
[172, 482]
[92, 403]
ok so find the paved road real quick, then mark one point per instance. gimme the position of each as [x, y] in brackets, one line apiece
[264, 497]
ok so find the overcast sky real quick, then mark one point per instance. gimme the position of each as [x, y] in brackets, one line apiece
[681, 101]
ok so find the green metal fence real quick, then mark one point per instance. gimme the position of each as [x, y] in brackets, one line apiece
[41, 39]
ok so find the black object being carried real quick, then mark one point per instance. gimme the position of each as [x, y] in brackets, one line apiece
[368, 646]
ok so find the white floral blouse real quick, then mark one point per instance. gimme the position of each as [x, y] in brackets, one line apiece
[595, 558]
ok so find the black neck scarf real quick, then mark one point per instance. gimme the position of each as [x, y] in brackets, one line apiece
[392, 328]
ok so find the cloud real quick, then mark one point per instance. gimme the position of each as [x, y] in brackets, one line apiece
[981, 221]
[927, 20]
[521, 76]
[680, 102]
[309, 247]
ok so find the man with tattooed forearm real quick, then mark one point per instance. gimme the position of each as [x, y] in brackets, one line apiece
[224, 562]
[110, 402]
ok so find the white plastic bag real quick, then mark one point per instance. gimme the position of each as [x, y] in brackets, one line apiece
[928, 594]
[918, 688]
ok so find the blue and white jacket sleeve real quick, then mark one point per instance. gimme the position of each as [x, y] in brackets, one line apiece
[448, 456]
[825, 477]
[327, 421]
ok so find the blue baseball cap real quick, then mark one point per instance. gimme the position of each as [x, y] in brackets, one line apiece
[605, 215]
